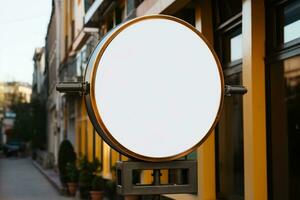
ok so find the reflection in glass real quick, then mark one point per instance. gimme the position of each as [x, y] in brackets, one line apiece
[291, 29]
[292, 101]
[228, 8]
[229, 140]
[236, 48]
[285, 125]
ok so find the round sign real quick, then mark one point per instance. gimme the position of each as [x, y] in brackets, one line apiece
[156, 88]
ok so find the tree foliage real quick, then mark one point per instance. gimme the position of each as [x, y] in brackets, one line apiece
[30, 122]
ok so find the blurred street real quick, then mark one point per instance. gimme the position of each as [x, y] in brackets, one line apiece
[20, 180]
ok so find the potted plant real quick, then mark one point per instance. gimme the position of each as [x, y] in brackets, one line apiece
[85, 177]
[87, 170]
[95, 166]
[66, 155]
[111, 189]
[97, 188]
[72, 176]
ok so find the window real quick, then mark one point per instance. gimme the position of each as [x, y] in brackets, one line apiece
[236, 48]
[130, 6]
[291, 29]
[227, 9]
[187, 13]
[119, 14]
[229, 134]
[283, 99]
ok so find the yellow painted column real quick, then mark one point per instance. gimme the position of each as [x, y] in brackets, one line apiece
[255, 158]
[98, 147]
[90, 144]
[206, 152]
[106, 161]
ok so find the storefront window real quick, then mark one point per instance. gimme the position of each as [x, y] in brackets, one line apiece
[291, 30]
[283, 99]
[285, 123]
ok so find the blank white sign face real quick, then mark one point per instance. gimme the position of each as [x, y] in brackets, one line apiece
[158, 88]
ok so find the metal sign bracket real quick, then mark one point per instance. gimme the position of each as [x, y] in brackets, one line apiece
[182, 180]
[73, 87]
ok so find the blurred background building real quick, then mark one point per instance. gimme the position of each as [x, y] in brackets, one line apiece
[254, 151]
[39, 87]
[10, 94]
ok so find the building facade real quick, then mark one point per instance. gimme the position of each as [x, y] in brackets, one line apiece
[253, 152]
[39, 87]
[52, 55]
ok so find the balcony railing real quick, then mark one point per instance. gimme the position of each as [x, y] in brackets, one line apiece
[73, 68]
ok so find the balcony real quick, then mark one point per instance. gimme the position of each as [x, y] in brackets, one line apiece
[99, 9]
[74, 66]
[68, 71]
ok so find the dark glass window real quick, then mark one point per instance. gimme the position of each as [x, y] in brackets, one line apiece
[229, 134]
[283, 99]
[229, 140]
[230, 48]
[119, 15]
[291, 29]
[187, 13]
[285, 126]
[284, 20]
[228, 9]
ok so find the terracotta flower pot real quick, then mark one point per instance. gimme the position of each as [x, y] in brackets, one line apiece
[72, 188]
[96, 195]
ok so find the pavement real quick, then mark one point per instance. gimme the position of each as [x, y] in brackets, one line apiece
[20, 180]
[51, 176]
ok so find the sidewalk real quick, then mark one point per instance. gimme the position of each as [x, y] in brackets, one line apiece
[20, 180]
[51, 176]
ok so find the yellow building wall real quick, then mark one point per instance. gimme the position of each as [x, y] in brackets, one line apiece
[114, 157]
[106, 171]
[78, 127]
[90, 140]
[98, 147]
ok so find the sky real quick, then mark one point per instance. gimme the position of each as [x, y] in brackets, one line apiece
[23, 27]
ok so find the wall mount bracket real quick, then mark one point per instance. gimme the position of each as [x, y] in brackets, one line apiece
[73, 87]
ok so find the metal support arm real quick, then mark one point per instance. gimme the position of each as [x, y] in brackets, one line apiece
[83, 88]
[72, 87]
[235, 89]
